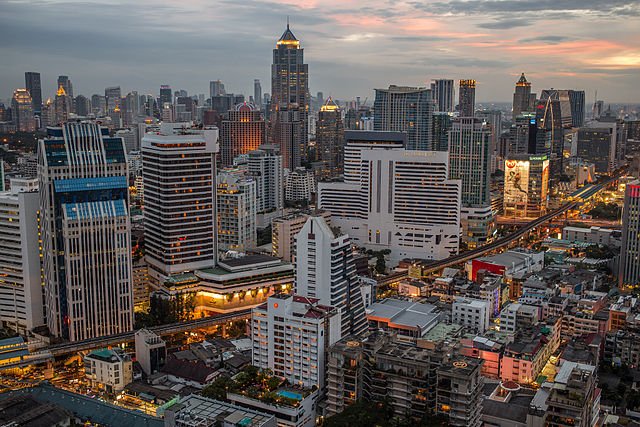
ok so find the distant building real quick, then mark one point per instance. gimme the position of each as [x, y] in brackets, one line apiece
[299, 185]
[22, 111]
[405, 109]
[236, 212]
[471, 313]
[285, 229]
[330, 139]
[597, 144]
[109, 370]
[265, 166]
[526, 186]
[442, 90]
[630, 254]
[467, 98]
[291, 334]
[242, 131]
[34, 87]
[522, 97]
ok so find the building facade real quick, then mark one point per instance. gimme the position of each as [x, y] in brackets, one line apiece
[395, 199]
[237, 210]
[443, 90]
[526, 186]
[405, 109]
[242, 131]
[34, 86]
[630, 254]
[265, 165]
[179, 172]
[330, 139]
[85, 228]
[22, 111]
[467, 98]
[522, 97]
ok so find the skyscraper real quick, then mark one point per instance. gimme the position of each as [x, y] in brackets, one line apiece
[467, 98]
[470, 161]
[85, 227]
[34, 86]
[166, 96]
[577, 101]
[330, 139]
[216, 88]
[526, 185]
[62, 106]
[242, 131]
[395, 199]
[265, 165]
[630, 254]
[289, 116]
[65, 82]
[442, 90]
[257, 94]
[22, 111]
[405, 109]
[113, 95]
[179, 170]
[326, 270]
[83, 105]
[441, 126]
[522, 97]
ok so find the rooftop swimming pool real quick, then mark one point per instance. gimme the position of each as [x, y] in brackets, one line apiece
[290, 394]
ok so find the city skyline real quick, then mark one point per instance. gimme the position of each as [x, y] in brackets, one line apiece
[412, 43]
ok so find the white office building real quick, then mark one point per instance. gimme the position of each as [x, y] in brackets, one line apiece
[265, 165]
[85, 232]
[290, 335]
[179, 172]
[326, 270]
[21, 306]
[471, 313]
[396, 199]
[237, 208]
[151, 351]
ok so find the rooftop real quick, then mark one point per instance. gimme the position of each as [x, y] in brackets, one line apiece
[209, 411]
[405, 314]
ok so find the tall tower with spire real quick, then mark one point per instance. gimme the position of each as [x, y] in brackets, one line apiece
[522, 96]
[289, 115]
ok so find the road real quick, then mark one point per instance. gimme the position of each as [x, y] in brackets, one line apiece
[432, 267]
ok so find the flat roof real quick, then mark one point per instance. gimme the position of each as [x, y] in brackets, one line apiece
[405, 313]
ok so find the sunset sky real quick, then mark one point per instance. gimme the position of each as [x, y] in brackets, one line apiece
[351, 46]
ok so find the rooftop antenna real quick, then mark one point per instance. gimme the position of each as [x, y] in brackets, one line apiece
[287, 22]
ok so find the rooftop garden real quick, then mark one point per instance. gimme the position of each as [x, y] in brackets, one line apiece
[259, 384]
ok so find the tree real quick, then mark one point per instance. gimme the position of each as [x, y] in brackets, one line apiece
[219, 388]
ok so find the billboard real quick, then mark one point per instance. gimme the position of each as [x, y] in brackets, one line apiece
[516, 183]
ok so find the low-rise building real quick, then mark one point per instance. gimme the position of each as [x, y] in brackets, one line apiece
[151, 351]
[108, 369]
[507, 264]
[471, 313]
[593, 235]
[516, 316]
[198, 411]
[410, 320]
[292, 408]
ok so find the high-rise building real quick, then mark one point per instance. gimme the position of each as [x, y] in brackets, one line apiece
[242, 131]
[85, 227]
[22, 111]
[83, 106]
[179, 172]
[467, 98]
[395, 199]
[526, 185]
[299, 185]
[493, 119]
[236, 205]
[597, 143]
[62, 106]
[166, 96]
[289, 115]
[522, 97]
[443, 90]
[470, 162]
[405, 109]
[21, 307]
[65, 82]
[330, 139]
[113, 95]
[526, 136]
[326, 271]
[441, 125]
[265, 165]
[285, 229]
[577, 102]
[216, 88]
[34, 86]
[291, 335]
[257, 94]
[630, 254]
[98, 105]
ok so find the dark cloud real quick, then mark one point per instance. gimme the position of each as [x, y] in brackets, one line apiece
[470, 7]
[505, 24]
[547, 39]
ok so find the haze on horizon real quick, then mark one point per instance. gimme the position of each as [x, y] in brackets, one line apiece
[350, 48]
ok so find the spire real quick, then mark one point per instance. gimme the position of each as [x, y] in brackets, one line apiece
[287, 37]
[523, 81]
